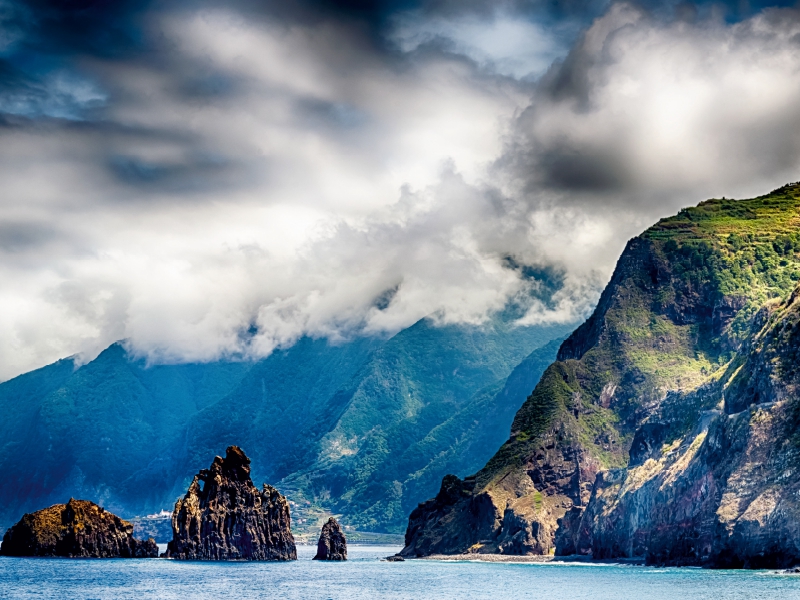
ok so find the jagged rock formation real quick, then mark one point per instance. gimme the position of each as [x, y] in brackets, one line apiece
[666, 427]
[332, 544]
[228, 518]
[78, 528]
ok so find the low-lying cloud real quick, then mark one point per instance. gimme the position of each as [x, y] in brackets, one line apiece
[227, 180]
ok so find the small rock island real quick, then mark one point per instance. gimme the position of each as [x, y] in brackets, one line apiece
[332, 544]
[77, 529]
[228, 518]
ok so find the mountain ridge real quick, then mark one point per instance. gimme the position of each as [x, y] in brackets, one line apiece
[130, 435]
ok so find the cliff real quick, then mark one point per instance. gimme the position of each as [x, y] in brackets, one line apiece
[664, 428]
[725, 494]
[78, 528]
[227, 518]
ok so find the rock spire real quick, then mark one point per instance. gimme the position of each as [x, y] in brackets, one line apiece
[332, 544]
[228, 518]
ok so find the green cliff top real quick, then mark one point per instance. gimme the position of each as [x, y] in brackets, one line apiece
[676, 311]
[742, 247]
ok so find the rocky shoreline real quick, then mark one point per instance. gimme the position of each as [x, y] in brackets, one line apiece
[528, 558]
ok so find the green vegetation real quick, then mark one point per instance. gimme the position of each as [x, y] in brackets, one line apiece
[364, 429]
[735, 248]
[553, 394]
[680, 305]
[431, 401]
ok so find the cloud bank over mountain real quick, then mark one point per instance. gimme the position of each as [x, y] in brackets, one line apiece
[207, 180]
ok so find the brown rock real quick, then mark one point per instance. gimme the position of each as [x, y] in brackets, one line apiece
[332, 544]
[228, 518]
[77, 529]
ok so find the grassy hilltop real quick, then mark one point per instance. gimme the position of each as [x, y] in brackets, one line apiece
[671, 325]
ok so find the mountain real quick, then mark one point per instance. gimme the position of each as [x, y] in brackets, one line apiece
[316, 418]
[81, 431]
[359, 428]
[667, 427]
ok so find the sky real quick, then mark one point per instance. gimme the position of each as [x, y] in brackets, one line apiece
[212, 180]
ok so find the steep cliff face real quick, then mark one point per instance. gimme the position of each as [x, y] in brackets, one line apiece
[726, 494]
[635, 402]
[78, 529]
[228, 518]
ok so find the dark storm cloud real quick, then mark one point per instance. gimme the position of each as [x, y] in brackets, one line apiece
[197, 173]
[570, 168]
[115, 29]
[65, 27]
[40, 42]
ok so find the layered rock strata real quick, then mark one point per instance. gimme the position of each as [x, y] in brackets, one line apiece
[223, 516]
[332, 544]
[666, 429]
[77, 529]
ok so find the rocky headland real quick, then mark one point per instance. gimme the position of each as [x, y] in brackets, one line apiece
[77, 529]
[666, 429]
[332, 544]
[223, 516]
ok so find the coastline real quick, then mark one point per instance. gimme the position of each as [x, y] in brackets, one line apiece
[572, 559]
[530, 558]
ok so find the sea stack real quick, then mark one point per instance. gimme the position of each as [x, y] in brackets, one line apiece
[77, 529]
[228, 518]
[332, 544]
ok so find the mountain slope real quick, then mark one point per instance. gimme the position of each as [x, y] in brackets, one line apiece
[632, 386]
[83, 431]
[724, 494]
[350, 445]
[461, 444]
[314, 416]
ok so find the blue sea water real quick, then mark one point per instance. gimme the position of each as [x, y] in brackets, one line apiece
[364, 576]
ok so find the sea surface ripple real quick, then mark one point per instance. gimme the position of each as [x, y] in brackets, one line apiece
[365, 576]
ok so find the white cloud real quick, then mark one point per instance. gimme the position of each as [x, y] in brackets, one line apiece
[678, 111]
[296, 224]
[295, 179]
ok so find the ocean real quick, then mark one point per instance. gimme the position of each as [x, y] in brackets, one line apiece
[365, 576]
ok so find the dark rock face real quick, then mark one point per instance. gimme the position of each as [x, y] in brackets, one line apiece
[332, 544]
[228, 518]
[646, 442]
[516, 515]
[77, 529]
[452, 522]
